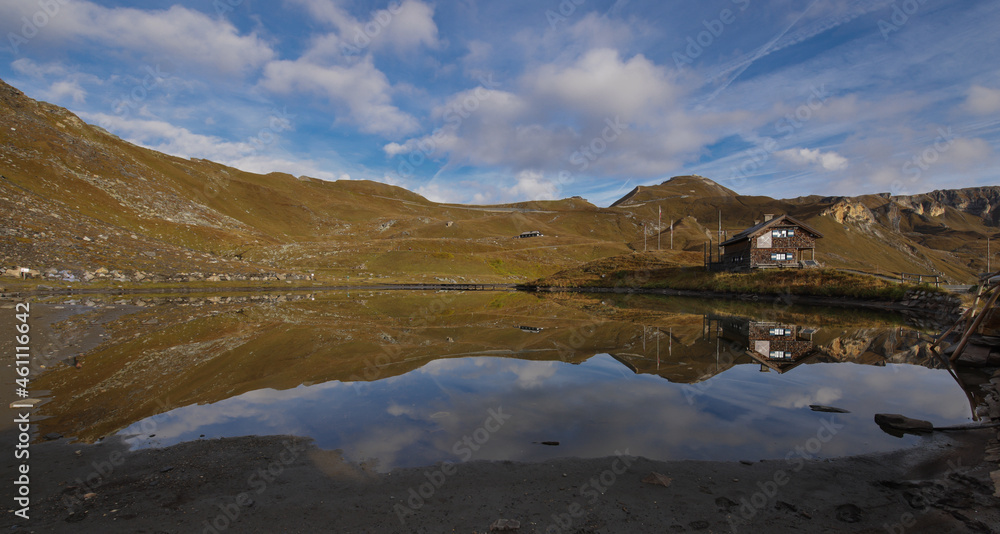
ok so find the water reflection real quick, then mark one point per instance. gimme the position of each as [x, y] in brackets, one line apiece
[402, 379]
[592, 409]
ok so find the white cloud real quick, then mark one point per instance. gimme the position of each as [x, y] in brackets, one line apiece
[360, 88]
[532, 185]
[178, 34]
[403, 27]
[443, 193]
[599, 113]
[803, 157]
[965, 153]
[177, 141]
[983, 100]
[601, 84]
[67, 89]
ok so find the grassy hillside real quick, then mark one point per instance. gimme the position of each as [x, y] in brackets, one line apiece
[655, 271]
[77, 198]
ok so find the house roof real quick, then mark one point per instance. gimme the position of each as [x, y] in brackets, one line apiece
[766, 225]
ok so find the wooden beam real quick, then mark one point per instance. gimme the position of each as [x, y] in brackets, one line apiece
[975, 325]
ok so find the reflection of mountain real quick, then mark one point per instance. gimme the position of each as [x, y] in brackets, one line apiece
[181, 352]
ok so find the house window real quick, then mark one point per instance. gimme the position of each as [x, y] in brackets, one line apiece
[780, 332]
[783, 232]
[780, 256]
[780, 355]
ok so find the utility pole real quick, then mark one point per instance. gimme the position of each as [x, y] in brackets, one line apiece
[644, 237]
[659, 221]
[988, 270]
[720, 235]
[671, 234]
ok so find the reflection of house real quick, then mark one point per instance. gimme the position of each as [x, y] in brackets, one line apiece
[777, 346]
[776, 341]
[532, 329]
[777, 242]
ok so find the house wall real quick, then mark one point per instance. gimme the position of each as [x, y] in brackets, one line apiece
[763, 331]
[789, 245]
[797, 348]
[736, 255]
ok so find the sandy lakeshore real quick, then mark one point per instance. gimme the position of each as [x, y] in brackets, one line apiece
[285, 484]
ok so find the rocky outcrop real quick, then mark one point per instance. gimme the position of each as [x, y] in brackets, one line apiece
[979, 201]
[849, 211]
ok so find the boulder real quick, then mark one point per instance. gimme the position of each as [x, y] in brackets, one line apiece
[896, 424]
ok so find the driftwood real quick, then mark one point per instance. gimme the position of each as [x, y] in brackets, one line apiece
[975, 324]
[969, 322]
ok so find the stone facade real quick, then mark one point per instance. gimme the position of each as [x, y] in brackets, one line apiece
[756, 246]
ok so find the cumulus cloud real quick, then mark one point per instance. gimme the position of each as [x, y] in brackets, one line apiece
[804, 157]
[602, 84]
[403, 27]
[185, 36]
[600, 113]
[983, 100]
[532, 185]
[67, 89]
[359, 88]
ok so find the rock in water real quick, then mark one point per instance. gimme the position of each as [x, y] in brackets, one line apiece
[828, 409]
[901, 423]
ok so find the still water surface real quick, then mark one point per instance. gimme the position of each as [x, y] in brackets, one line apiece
[409, 380]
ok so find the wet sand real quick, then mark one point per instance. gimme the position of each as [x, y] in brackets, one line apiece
[284, 484]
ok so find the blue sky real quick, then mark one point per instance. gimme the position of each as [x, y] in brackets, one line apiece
[490, 102]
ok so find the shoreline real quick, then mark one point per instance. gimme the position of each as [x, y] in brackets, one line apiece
[808, 300]
[283, 483]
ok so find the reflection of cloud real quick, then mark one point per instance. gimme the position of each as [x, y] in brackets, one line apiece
[591, 409]
[397, 410]
[823, 395]
[535, 375]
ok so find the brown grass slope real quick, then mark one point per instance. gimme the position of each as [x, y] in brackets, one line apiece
[64, 180]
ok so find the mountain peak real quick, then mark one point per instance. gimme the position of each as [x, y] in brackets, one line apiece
[677, 187]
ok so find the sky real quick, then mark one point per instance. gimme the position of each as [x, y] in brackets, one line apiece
[493, 102]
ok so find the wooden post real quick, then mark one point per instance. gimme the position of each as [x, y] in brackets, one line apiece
[975, 325]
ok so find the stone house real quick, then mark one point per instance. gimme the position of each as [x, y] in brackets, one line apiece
[780, 241]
